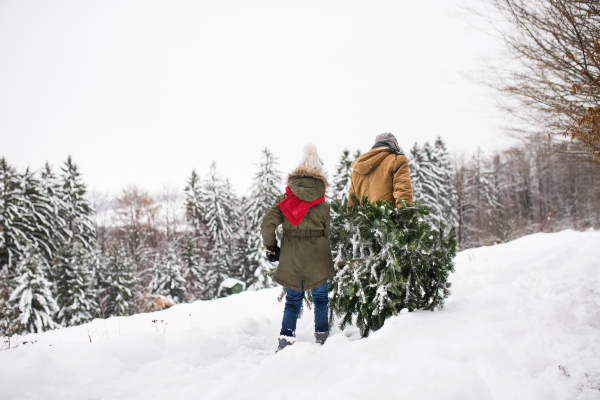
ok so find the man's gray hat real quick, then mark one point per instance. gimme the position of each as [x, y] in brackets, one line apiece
[387, 139]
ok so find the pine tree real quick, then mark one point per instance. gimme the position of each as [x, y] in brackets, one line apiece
[342, 176]
[76, 209]
[265, 189]
[13, 234]
[195, 208]
[416, 175]
[431, 178]
[243, 268]
[501, 226]
[220, 217]
[167, 279]
[32, 294]
[26, 215]
[38, 215]
[423, 178]
[445, 182]
[194, 271]
[51, 190]
[118, 283]
[482, 195]
[217, 200]
[387, 258]
[73, 285]
[96, 268]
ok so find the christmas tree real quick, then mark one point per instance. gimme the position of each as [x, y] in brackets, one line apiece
[73, 285]
[386, 259]
[32, 295]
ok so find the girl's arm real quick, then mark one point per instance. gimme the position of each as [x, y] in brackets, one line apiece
[271, 220]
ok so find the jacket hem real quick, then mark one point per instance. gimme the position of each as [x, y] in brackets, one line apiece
[308, 287]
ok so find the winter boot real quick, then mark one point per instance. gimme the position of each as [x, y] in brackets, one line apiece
[285, 341]
[321, 337]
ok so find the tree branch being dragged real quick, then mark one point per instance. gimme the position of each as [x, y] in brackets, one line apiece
[386, 259]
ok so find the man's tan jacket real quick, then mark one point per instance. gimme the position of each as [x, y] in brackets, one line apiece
[381, 175]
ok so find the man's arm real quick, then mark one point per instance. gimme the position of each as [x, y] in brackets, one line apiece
[401, 181]
[351, 191]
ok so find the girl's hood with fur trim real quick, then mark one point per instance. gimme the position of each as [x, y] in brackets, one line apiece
[307, 184]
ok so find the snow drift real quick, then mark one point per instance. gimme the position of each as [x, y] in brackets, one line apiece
[523, 322]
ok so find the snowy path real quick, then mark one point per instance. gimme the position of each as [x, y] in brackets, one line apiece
[518, 312]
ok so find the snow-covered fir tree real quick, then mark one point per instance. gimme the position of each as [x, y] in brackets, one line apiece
[265, 189]
[37, 219]
[431, 179]
[501, 226]
[341, 178]
[221, 208]
[118, 283]
[482, 191]
[422, 176]
[440, 158]
[76, 209]
[96, 267]
[218, 202]
[386, 259]
[13, 234]
[167, 279]
[32, 294]
[50, 189]
[73, 285]
[195, 208]
[194, 271]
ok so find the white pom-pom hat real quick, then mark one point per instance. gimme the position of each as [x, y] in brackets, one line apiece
[310, 165]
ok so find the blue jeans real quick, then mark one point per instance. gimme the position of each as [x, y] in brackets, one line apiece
[293, 303]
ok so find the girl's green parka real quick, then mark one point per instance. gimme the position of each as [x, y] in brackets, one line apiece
[305, 259]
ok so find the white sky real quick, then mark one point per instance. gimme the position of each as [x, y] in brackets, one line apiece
[142, 92]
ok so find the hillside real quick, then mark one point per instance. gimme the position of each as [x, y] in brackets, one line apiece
[523, 322]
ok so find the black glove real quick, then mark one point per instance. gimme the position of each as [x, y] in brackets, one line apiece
[273, 253]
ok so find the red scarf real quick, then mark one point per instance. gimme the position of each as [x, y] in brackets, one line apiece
[294, 208]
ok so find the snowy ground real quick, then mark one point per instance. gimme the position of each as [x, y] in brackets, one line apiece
[523, 322]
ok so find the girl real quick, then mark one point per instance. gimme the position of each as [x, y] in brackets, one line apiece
[305, 261]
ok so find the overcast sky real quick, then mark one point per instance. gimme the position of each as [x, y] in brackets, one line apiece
[142, 92]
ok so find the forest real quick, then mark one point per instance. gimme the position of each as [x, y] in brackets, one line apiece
[68, 255]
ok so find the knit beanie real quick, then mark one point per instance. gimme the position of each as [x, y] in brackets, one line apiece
[310, 165]
[389, 139]
[310, 159]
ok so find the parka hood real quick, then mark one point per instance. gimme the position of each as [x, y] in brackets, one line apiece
[307, 184]
[370, 160]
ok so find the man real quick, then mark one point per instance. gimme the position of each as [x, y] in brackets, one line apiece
[382, 173]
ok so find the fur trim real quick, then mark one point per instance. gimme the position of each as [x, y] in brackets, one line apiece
[309, 173]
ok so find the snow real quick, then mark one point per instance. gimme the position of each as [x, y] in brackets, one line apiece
[523, 322]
